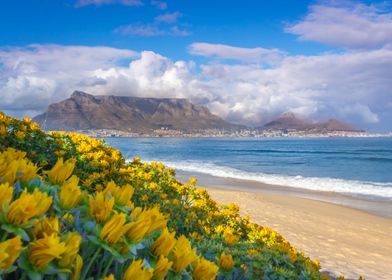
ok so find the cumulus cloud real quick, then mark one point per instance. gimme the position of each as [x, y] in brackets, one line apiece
[82, 3]
[255, 55]
[33, 76]
[353, 86]
[362, 111]
[357, 26]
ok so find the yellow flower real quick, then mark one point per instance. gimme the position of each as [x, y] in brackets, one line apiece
[109, 277]
[27, 120]
[137, 230]
[77, 268]
[9, 252]
[13, 166]
[225, 262]
[68, 218]
[164, 243]
[70, 193]
[122, 195]
[45, 250]
[8, 171]
[114, 229]
[205, 269]
[34, 126]
[317, 264]
[196, 236]
[100, 207]
[244, 268]
[137, 271]
[162, 268]
[229, 237]
[136, 160]
[61, 171]
[46, 226]
[135, 213]
[11, 154]
[59, 153]
[157, 220]
[72, 244]
[27, 206]
[252, 252]
[5, 194]
[20, 135]
[26, 170]
[192, 181]
[183, 254]
[3, 129]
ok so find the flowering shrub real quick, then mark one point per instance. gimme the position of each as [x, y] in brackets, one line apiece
[73, 208]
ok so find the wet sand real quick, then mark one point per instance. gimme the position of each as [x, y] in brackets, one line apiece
[327, 227]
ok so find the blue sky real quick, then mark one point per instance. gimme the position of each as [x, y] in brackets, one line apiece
[249, 24]
[247, 61]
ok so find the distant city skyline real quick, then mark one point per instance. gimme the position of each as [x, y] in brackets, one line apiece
[247, 61]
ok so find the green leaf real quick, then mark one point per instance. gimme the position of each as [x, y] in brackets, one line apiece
[34, 275]
[17, 231]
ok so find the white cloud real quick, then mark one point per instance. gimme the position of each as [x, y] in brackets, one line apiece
[139, 29]
[352, 26]
[360, 110]
[255, 55]
[82, 3]
[150, 30]
[169, 17]
[353, 86]
[33, 76]
[161, 5]
[163, 25]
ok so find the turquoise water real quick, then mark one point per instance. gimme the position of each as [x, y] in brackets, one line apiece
[353, 166]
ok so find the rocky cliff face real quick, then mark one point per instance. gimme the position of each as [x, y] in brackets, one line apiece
[86, 111]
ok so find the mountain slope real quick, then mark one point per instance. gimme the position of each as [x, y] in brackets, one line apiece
[334, 125]
[86, 111]
[289, 120]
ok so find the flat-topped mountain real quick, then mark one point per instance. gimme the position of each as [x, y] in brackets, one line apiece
[290, 121]
[86, 111]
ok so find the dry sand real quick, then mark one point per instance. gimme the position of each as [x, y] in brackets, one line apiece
[349, 236]
[346, 241]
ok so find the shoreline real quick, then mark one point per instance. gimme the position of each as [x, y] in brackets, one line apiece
[371, 206]
[347, 240]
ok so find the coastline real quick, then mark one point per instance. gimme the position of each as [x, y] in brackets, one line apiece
[349, 236]
[373, 207]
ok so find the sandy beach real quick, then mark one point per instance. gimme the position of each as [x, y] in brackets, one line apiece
[346, 241]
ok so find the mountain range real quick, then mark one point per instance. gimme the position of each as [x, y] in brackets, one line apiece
[83, 111]
[289, 120]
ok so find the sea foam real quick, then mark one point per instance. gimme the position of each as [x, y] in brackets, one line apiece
[375, 190]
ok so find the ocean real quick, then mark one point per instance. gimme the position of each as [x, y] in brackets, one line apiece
[358, 167]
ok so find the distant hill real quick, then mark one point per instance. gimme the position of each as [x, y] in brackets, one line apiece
[335, 125]
[290, 121]
[86, 111]
[287, 121]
